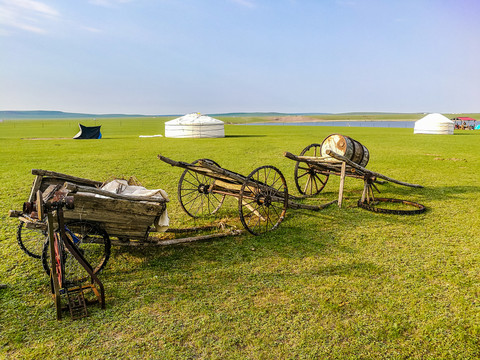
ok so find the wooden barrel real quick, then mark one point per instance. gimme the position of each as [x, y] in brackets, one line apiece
[346, 146]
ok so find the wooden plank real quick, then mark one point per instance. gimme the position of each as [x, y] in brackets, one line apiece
[252, 209]
[87, 202]
[319, 159]
[342, 183]
[365, 191]
[49, 192]
[48, 182]
[119, 219]
[178, 241]
[232, 176]
[326, 168]
[227, 185]
[65, 177]
[206, 169]
[39, 203]
[139, 234]
[53, 268]
[136, 230]
[14, 213]
[370, 173]
[35, 187]
[80, 188]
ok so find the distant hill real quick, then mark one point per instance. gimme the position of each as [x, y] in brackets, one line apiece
[43, 114]
[371, 113]
[255, 114]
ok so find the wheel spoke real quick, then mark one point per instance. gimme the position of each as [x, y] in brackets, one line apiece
[196, 197]
[319, 179]
[306, 185]
[304, 174]
[190, 191]
[274, 207]
[304, 168]
[191, 183]
[259, 196]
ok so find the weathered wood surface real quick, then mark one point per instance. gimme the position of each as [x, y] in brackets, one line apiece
[115, 219]
[39, 203]
[14, 213]
[115, 205]
[65, 177]
[342, 184]
[352, 170]
[37, 183]
[207, 169]
[369, 172]
[328, 159]
[119, 217]
[230, 183]
[326, 168]
[86, 189]
[193, 229]
[152, 242]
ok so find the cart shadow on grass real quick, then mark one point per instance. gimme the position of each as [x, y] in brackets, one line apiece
[449, 192]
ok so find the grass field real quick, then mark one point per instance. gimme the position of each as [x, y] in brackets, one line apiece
[337, 284]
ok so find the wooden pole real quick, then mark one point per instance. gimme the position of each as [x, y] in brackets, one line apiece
[65, 177]
[53, 267]
[35, 187]
[178, 241]
[365, 190]
[342, 183]
[370, 173]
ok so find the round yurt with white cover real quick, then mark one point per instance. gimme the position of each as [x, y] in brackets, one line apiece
[434, 124]
[194, 125]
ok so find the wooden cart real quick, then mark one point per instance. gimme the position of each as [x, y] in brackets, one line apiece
[97, 216]
[313, 170]
[262, 196]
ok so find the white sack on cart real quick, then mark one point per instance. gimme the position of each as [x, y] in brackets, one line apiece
[121, 187]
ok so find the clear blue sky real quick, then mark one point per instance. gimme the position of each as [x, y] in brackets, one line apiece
[210, 56]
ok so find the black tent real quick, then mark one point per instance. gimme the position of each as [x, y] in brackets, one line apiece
[88, 132]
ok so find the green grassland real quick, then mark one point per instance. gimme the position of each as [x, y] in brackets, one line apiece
[338, 284]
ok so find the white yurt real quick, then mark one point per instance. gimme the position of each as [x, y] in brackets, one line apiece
[434, 124]
[194, 125]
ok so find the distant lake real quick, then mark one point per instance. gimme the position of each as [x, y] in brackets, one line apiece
[382, 124]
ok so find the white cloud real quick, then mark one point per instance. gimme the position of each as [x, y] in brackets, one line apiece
[34, 6]
[246, 3]
[27, 15]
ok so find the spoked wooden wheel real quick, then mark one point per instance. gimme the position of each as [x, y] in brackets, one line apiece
[31, 238]
[91, 241]
[263, 200]
[195, 193]
[307, 179]
[392, 206]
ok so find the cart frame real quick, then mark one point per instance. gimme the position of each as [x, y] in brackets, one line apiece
[262, 196]
[336, 164]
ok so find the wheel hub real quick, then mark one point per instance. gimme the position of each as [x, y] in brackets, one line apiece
[264, 200]
[203, 189]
